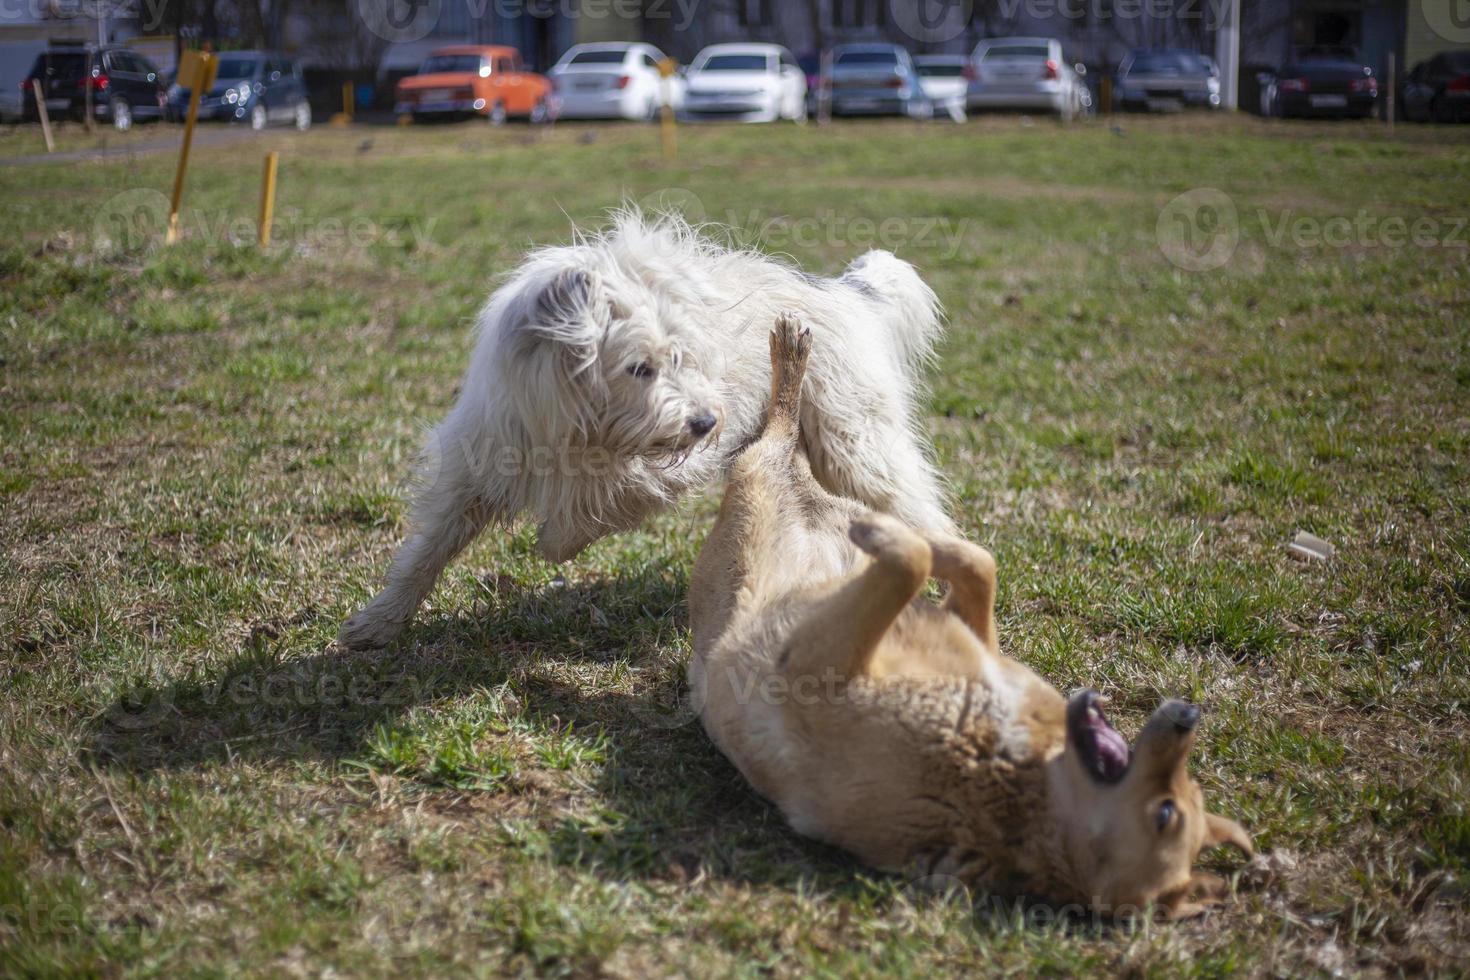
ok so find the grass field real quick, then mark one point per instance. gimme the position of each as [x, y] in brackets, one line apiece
[1141, 399]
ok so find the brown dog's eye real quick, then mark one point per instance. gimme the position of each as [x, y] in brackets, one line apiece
[1165, 815]
[642, 370]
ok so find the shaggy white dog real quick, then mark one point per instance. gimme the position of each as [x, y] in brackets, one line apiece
[614, 374]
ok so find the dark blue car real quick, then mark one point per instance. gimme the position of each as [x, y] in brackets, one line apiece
[255, 87]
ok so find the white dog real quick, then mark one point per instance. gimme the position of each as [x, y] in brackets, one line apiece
[614, 374]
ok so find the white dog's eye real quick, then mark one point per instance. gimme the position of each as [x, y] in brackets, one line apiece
[642, 370]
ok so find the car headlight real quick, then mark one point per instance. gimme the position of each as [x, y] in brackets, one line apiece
[174, 92]
[239, 93]
[1213, 84]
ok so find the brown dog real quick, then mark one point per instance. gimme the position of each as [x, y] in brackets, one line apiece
[896, 729]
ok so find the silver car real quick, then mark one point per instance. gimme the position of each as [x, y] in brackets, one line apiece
[877, 79]
[1025, 73]
[1164, 79]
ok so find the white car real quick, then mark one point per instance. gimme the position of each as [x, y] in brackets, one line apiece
[1025, 73]
[945, 79]
[613, 81]
[745, 82]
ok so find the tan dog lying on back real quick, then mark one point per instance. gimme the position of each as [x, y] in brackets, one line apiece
[896, 729]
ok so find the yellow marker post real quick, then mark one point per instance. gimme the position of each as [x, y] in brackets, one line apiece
[43, 114]
[268, 198]
[345, 116]
[196, 71]
[666, 69]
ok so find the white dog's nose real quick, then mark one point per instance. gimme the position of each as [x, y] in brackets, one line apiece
[702, 424]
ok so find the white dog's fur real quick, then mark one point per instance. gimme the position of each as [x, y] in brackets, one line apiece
[600, 362]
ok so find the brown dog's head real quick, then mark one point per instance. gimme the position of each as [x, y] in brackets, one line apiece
[1134, 819]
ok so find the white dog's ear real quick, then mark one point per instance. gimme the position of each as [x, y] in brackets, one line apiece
[573, 309]
[557, 344]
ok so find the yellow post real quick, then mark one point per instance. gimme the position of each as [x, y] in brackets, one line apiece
[666, 69]
[43, 114]
[196, 70]
[345, 116]
[268, 198]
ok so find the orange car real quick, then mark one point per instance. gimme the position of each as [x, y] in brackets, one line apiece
[474, 79]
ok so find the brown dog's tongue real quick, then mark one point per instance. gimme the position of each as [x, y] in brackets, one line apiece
[1112, 750]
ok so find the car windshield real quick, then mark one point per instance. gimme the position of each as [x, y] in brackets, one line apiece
[1167, 63]
[60, 64]
[735, 62]
[885, 58]
[1018, 51]
[598, 58]
[942, 70]
[449, 62]
[236, 67]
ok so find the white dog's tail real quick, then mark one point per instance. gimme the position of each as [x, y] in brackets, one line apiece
[888, 279]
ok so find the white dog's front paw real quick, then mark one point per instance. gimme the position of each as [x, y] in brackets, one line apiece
[367, 631]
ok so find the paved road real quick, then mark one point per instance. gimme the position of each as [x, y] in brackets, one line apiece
[167, 142]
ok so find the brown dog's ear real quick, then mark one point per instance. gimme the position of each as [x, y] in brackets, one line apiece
[1194, 897]
[1223, 830]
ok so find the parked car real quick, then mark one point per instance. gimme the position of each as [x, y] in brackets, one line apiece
[126, 86]
[748, 82]
[811, 66]
[946, 81]
[877, 79]
[475, 80]
[612, 81]
[1166, 79]
[1024, 73]
[254, 87]
[1438, 90]
[1322, 83]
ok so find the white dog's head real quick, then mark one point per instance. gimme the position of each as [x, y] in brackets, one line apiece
[601, 361]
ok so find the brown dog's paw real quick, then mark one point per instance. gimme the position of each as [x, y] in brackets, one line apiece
[879, 534]
[791, 340]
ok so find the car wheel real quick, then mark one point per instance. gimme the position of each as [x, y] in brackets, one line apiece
[651, 111]
[498, 115]
[122, 115]
[257, 116]
[303, 115]
[540, 113]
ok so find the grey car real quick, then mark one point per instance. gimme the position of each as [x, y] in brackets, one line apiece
[1164, 79]
[877, 79]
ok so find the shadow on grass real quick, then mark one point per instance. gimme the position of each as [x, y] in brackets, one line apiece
[602, 656]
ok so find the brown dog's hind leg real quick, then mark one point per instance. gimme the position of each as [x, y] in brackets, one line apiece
[970, 571]
[843, 630]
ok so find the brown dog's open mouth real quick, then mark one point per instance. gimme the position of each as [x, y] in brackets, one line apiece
[1104, 753]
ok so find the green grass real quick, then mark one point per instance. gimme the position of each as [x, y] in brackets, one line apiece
[202, 452]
